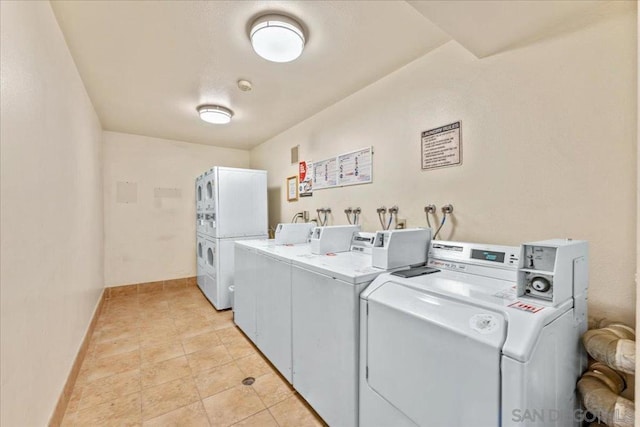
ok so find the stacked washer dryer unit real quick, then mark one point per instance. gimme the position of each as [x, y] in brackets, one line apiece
[233, 207]
[491, 338]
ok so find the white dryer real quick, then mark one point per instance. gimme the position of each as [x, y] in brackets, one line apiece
[208, 186]
[200, 193]
[325, 318]
[201, 253]
[208, 285]
[492, 336]
[234, 208]
[219, 267]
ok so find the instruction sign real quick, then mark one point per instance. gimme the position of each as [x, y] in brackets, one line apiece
[442, 147]
[325, 174]
[355, 167]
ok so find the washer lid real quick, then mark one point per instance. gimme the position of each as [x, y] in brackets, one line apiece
[350, 267]
[526, 320]
[473, 322]
[435, 360]
[285, 253]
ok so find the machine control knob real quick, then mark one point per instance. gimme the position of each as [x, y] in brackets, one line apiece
[540, 284]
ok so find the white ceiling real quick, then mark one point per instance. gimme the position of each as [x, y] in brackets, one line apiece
[491, 26]
[147, 65]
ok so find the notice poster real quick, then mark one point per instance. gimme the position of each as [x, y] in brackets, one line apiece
[442, 147]
[325, 174]
[305, 184]
[355, 167]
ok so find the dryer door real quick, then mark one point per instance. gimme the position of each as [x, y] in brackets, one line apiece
[209, 201]
[437, 361]
[199, 196]
[200, 256]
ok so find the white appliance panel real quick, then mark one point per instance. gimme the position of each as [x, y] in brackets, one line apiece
[246, 286]
[201, 224]
[209, 188]
[374, 410]
[200, 194]
[325, 344]
[240, 202]
[201, 252]
[351, 267]
[545, 384]
[273, 314]
[445, 352]
[208, 282]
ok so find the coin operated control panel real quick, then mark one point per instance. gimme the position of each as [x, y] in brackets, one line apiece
[293, 233]
[554, 271]
[362, 242]
[400, 248]
[332, 238]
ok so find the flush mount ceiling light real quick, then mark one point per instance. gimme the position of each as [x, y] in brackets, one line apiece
[277, 38]
[215, 114]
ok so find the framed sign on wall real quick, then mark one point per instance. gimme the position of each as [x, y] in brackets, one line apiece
[292, 188]
[442, 146]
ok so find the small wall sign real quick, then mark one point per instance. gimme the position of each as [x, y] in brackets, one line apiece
[292, 188]
[442, 146]
[305, 179]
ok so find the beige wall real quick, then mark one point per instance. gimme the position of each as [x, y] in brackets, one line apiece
[51, 226]
[549, 133]
[153, 238]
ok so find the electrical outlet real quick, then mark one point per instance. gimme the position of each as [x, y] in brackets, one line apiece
[402, 223]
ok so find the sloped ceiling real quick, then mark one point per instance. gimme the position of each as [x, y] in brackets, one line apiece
[147, 65]
[489, 27]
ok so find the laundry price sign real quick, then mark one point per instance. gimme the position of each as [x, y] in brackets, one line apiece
[442, 147]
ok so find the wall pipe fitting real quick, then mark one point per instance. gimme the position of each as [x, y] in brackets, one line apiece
[600, 387]
[613, 345]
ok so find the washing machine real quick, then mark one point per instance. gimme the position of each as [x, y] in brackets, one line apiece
[490, 335]
[325, 318]
[263, 297]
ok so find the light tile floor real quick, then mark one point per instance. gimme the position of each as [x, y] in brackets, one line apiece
[168, 358]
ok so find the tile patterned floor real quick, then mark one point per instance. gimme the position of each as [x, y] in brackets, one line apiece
[168, 358]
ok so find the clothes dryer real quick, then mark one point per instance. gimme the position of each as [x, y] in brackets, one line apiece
[234, 208]
[479, 342]
[201, 253]
[200, 193]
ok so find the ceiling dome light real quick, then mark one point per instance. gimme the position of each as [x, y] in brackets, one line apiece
[277, 38]
[215, 114]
